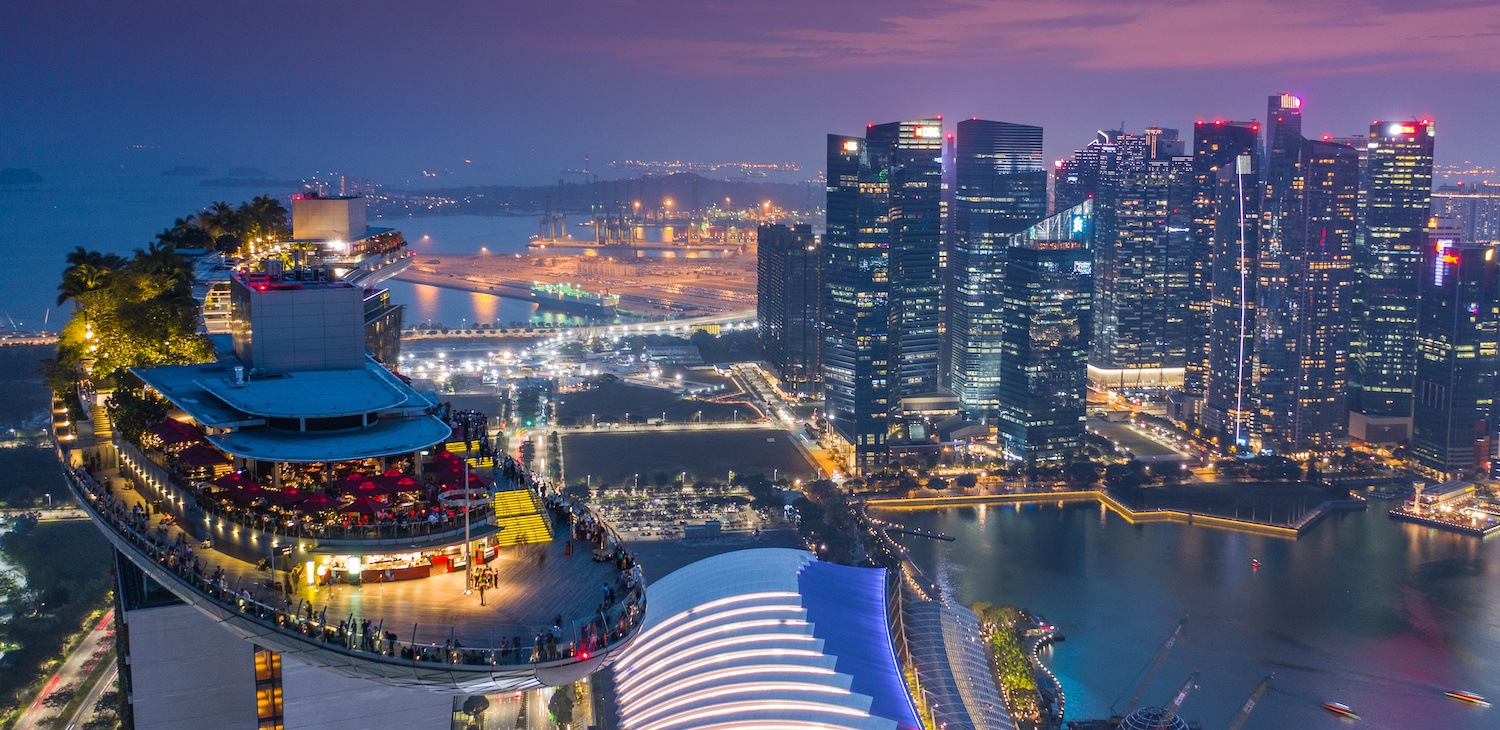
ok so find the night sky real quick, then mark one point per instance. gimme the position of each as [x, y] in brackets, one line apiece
[385, 89]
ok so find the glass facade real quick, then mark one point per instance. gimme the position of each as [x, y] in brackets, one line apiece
[1216, 145]
[1045, 329]
[1458, 352]
[1396, 205]
[914, 150]
[856, 293]
[788, 306]
[1000, 189]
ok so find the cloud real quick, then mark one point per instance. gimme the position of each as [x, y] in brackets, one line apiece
[1338, 36]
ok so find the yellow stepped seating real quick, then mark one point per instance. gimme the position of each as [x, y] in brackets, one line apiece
[457, 447]
[514, 503]
[487, 462]
[529, 529]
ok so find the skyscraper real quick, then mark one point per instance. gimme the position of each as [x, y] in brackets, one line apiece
[789, 303]
[1396, 204]
[1044, 334]
[856, 294]
[1000, 189]
[915, 171]
[1142, 195]
[1281, 273]
[1230, 386]
[1304, 274]
[1458, 352]
[1216, 145]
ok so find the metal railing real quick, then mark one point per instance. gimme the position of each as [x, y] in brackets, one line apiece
[189, 500]
[378, 639]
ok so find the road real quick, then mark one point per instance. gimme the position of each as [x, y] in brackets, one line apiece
[754, 382]
[86, 710]
[74, 670]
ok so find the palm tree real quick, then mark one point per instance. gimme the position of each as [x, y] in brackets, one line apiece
[80, 255]
[81, 279]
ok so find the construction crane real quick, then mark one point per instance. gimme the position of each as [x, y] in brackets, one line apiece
[1260, 691]
[1151, 670]
[1165, 721]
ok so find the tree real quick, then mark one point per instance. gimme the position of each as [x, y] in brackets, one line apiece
[133, 410]
[1081, 472]
[474, 706]
[561, 705]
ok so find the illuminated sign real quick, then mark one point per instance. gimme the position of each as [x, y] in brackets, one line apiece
[928, 132]
[1442, 260]
[851, 145]
[1396, 129]
[1078, 224]
[1290, 101]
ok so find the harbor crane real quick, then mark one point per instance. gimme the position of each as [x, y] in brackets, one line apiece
[1165, 721]
[1260, 691]
[1151, 670]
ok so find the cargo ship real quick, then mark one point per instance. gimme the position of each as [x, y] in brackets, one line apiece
[573, 300]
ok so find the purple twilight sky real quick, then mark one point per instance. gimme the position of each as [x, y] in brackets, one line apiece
[385, 89]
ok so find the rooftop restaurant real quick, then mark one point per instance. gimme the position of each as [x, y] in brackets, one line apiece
[313, 502]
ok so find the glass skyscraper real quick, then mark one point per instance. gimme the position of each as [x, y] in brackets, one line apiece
[1000, 188]
[1304, 274]
[1396, 204]
[1142, 193]
[856, 293]
[789, 303]
[1044, 335]
[915, 183]
[1458, 352]
[1216, 145]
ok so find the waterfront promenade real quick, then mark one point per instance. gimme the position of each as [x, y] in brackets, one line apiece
[1289, 531]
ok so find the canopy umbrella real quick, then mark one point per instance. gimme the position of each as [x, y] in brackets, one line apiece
[367, 487]
[202, 456]
[476, 481]
[246, 494]
[285, 496]
[318, 503]
[233, 480]
[363, 506]
[172, 431]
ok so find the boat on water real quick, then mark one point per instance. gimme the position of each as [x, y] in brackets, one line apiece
[1340, 709]
[573, 300]
[1468, 697]
[1255, 564]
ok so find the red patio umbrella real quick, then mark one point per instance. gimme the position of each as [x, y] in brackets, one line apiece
[318, 503]
[233, 480]
[246, 494]
[363, 506]
[202, 456]
[172, 431]
[285, 496]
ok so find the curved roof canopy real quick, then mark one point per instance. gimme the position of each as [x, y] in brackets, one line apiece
[764, 638]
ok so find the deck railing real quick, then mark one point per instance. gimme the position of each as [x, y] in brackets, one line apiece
[387, 639]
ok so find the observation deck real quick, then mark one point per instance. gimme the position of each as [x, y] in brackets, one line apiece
[555, 611]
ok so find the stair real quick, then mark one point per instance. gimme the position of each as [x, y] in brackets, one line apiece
[519, 514]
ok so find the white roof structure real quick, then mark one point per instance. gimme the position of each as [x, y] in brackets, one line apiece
[764, 639]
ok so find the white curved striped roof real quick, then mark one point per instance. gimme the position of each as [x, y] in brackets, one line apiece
[727, 644]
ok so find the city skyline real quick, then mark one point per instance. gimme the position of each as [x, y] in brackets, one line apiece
[299, 88]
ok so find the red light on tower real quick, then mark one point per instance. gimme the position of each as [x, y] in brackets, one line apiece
[1218, 122]
[1200, 122]
[1255, 127]
[940, 117]
[1327, 137]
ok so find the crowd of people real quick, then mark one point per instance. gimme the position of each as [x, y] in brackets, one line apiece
[619, 610]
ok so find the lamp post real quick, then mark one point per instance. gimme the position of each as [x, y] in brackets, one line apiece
[468, 559]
